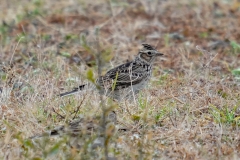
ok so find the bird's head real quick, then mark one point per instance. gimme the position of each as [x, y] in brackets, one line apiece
[148, 53]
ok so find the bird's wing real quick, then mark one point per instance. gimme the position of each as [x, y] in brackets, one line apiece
[124, 76]
[81, 126]
[75, 128]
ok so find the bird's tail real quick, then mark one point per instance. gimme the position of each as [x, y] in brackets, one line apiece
[75, 90]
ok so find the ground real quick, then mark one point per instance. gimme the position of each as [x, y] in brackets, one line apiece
[190, 110]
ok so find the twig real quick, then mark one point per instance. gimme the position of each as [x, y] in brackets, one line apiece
[100, 91]
[174, 124]
[78, 108]
[62, 117]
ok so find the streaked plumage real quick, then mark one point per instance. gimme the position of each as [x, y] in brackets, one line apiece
[129, 78]
[80, 130]
[82, 126]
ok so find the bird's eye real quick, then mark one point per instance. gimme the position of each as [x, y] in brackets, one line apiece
[149, 53]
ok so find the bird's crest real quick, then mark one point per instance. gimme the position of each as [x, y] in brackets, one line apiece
[148, 47]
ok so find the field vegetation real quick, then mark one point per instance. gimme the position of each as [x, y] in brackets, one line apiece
[190, 110]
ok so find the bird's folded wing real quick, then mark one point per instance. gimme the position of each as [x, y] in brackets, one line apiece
[75, 128]
[122, 79]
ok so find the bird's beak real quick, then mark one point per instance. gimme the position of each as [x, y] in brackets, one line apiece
[159, 54]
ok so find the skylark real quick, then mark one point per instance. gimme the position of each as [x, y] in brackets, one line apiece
[127, 79]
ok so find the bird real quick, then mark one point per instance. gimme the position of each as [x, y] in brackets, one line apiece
[83, 127]
[126, 80]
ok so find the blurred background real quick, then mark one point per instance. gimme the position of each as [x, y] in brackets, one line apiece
[190, 26]
[191, 109]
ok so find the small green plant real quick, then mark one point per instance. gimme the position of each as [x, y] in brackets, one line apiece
[166, 40]
[90, 75]
[235, 46]
[46, 37]
[163, 79]
[203, 35]
[4, 29]
[162, 113]
[65, 54]
[225, 115]
[142, 102]
[236, 73]
[71, 37]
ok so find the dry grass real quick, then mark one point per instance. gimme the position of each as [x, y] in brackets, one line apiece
[189, 111]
